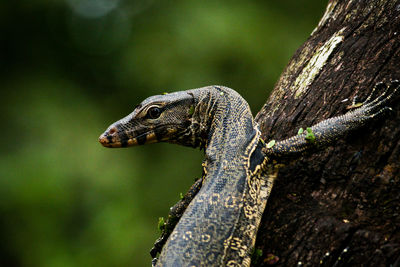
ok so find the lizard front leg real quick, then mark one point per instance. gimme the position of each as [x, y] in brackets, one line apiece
[327, 131]
[174, 216]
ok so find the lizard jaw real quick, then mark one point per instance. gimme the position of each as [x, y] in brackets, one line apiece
[104, 140]
[111, 139]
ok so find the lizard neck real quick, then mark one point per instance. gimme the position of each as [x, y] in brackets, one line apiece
[231, 132]
[222, 124]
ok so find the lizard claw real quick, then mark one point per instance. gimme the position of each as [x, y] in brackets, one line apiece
[374, 106]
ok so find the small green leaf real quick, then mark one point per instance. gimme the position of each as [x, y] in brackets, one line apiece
[161, 223]
[181, 195]
[256, 255]
[310, 137]
[300, 132]
[222, 93]
[271, 143]
[191, 110]
[259, 252]
[165, 93]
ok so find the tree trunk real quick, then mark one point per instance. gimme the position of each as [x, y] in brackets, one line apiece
[341, 206]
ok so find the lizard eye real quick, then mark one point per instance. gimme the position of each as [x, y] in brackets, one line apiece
[154, 112]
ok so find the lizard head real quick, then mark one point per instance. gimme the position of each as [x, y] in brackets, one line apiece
[159, 118]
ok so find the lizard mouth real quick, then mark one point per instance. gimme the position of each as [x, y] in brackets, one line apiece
[112, 138]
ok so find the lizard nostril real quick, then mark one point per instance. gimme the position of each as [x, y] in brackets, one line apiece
[112, 130]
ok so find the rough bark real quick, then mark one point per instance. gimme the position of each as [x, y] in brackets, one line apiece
[339, 207]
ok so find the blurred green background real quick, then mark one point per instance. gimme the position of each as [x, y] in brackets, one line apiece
[70, 68]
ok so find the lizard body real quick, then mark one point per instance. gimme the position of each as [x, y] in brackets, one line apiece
[220, 223]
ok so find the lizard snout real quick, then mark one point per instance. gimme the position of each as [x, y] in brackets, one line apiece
[108, 137]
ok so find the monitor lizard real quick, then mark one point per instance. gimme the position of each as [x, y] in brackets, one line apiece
[216, 222]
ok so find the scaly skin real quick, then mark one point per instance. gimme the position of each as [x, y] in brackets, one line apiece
[220, 223]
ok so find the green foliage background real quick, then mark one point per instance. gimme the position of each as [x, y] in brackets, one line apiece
[70, 68]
